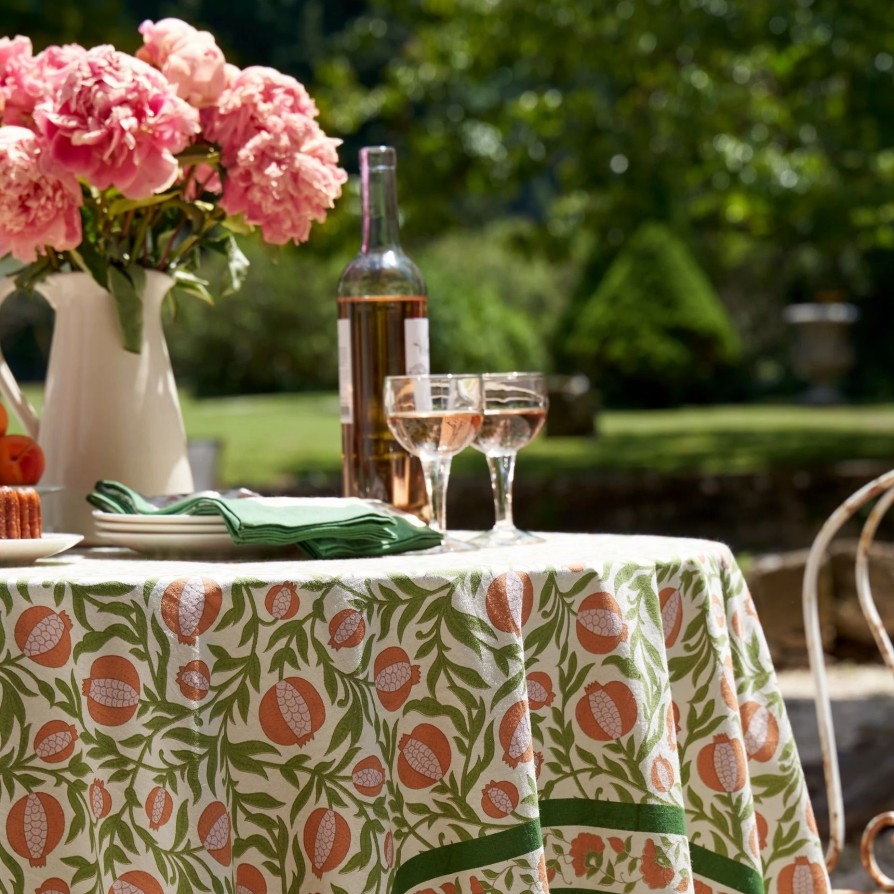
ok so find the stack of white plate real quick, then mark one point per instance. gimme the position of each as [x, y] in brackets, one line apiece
[164, 533]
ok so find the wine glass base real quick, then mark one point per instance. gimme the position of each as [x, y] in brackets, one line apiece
[504, 537]
[447, 545]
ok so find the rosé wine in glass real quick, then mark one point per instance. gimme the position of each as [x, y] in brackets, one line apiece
[434, 417]
[515, 406]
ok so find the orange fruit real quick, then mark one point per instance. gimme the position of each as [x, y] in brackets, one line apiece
[21, 460]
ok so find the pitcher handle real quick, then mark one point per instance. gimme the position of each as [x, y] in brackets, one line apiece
[15, 399]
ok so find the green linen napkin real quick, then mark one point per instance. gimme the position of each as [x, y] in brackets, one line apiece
[327, 530]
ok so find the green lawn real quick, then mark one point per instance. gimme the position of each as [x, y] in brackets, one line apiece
[271, 442]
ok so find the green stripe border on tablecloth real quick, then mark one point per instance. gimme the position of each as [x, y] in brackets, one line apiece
[656, 818]
[611, 815]
[465, 855]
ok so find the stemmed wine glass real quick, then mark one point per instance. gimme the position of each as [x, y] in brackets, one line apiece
[515, 406]
[434, 417]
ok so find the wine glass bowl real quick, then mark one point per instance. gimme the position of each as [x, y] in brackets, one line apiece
[434, 417]
[515, 407]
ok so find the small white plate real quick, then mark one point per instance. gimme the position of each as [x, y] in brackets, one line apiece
[23, 552]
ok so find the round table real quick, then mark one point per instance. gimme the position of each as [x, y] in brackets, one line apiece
[590, 713]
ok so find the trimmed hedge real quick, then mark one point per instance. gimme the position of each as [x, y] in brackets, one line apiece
[654, 333]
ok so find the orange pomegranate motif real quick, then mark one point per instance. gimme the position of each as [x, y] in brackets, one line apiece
[136, 882]
[346, 629]
[601, 627]
[112, 690]
[721, 765]
[540, 690]
[761, 731]
[810, 818]
[662, 774]
[190, 606]
[655, 874]
[510, 598]
[763, 829]
[538, 763]
[249, 880]
[475, 886]
[53, 886]
[55, 741]
[214, 832]
[718, 611]
[803, 877]
[368, 776]
[388, 849]
[34, 826]
[327, 838]
[99, 798]
[607, 712]
[43, 636]
[499, 799]
[159, 806]
[671, 601]
[424, 756]
[291, 712]
[394, 677]
[728, 685]
[194, 680]
[515, 734]
[282, 601]
[702, 888]
[673, 725]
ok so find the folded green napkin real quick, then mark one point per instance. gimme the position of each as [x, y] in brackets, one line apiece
[323, 529]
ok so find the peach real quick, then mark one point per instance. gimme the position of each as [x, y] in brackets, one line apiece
[21, 460]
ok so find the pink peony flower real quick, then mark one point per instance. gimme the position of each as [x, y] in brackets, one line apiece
[256, 98]
[15, 55]
[39, 204]
[282, 170]
[32, 79]
[189, 59]
[116, 122]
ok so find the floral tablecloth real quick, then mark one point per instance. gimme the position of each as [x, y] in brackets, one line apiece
[593, 713]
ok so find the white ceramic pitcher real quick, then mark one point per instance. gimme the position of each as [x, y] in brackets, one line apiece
[107, 412]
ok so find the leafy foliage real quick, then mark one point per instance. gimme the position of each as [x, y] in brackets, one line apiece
[277, 335]
[654, 332]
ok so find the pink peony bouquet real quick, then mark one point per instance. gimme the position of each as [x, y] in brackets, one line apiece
[112, 163]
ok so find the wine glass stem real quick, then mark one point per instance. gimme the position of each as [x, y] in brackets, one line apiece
[437, 474]
[502, 471]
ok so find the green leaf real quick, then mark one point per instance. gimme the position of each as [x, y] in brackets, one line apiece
[186, 283]
[127, 288]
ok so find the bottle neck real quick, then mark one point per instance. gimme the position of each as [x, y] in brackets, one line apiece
[378, 193]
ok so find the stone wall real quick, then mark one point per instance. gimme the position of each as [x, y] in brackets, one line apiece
[776, 583]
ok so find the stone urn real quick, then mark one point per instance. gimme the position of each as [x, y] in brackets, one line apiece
[822, 348]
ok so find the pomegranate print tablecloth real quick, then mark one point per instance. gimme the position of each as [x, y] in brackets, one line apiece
[589, 714]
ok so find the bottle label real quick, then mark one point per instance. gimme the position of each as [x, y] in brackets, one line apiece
[345, 373]
[416, 346]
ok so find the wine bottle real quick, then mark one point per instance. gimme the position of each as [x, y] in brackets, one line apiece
[382, 331]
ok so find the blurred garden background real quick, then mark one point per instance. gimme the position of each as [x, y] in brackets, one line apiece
[634, 191]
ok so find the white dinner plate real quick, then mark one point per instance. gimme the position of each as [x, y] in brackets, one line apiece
[23, 552]
[160, 543]
[173, 527]
[184, 523]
